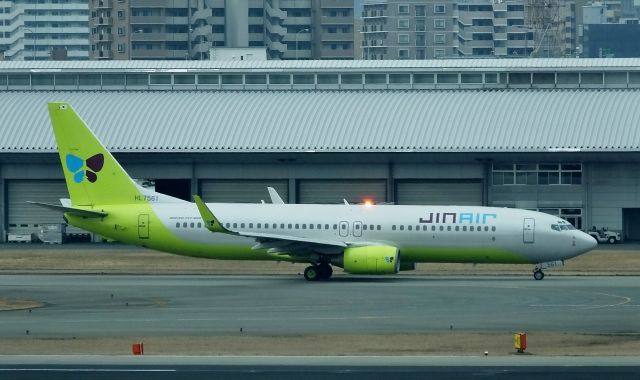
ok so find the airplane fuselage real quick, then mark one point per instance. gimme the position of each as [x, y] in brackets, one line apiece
[421, 233]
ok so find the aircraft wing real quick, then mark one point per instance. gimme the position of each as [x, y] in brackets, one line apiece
[273, 242]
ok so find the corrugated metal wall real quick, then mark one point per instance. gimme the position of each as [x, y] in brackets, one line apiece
[439, 193]
[614, 186]
[242, 191]
[334, 191]
[24, 217]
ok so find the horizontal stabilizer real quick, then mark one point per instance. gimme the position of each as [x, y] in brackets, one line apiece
[71, 210]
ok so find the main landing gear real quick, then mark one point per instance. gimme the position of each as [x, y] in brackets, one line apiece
[317, 272]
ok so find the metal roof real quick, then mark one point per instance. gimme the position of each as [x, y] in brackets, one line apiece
[334, 121]
[513, 64]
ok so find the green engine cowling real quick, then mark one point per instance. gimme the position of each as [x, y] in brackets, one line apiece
[371, 260]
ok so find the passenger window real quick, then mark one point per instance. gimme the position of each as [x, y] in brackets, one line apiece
[486, 228]
[258, 225]
[335, 226]
[297, 226]
[184, 224]
[448, 228]
[433, 228]
[393, 228]
[199, 225]
[310, 226]
[470, 228]
[290, 225]
[228, 225]
[457, 228]
[319, 226]
[192, 225]
[178, 225]
[441, 228]
[250, 225]
[401, 228]
[417, 228]
[424, 228]
[371, 227]
[379, 227]
[242, 225]
[304, 226]
[326, 226]
[493, 228]
[409, 228]
[464, 228]
[364, 227]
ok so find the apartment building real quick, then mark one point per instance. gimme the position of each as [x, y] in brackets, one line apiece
[426, 29]
[188, 29]
[31, 30]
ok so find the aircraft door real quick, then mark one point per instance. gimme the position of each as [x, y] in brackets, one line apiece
[529, 230]
[143, 226]
[344, 229]
[357, 229]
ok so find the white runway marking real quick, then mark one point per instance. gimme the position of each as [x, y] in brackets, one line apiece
[624, 301]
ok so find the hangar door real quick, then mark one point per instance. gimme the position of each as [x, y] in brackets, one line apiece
[25, 218]
[334, 191]
[242, 191]
[455, 193]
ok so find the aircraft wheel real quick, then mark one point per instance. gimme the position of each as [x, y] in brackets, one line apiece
[325, 271]
[312, 273]
[538, 275]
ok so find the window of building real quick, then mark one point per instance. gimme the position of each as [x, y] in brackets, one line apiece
[121, 31]
[231, 79]
[439, 38]
[256, 12]
[403, 9]
[255, 79]
[303, 79]
[66, 80]
[279, 79]
[439, 8]
[423, 78]
[421, 11]
[399, 78]
[403, 23]
[537, 174]
[89, 79]
[327, 78]
[208, 79]
[257, 29]
[121, 14]
[403, 53]
[403, 38]
[351, 79]
[184, 79]
[439, 23]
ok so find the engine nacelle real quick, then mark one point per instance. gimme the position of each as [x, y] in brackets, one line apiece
[371, 260]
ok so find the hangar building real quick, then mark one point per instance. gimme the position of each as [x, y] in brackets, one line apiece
[557, 135]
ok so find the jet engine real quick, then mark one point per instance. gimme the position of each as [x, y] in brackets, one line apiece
[371, 260]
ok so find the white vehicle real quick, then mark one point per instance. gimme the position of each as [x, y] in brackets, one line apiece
[603, 235]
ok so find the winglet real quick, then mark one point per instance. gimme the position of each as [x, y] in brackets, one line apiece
[210, 221]
[275, 197]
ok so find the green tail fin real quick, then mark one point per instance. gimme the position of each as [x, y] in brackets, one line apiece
[93, 176]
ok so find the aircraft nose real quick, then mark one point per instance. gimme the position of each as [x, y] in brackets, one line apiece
[585, 242]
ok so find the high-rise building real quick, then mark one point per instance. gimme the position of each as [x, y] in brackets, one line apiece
[31, 30]
[425, 29]
[188, 29]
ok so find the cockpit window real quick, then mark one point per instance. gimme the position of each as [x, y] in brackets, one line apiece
[562, 227]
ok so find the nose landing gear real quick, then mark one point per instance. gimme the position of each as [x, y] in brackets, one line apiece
[538, 274]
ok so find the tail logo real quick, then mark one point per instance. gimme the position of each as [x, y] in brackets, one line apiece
[76, 165]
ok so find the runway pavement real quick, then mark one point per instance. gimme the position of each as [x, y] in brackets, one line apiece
[195, 368]
[93, 305]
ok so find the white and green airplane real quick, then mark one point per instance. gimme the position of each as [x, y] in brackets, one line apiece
[361, 239]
